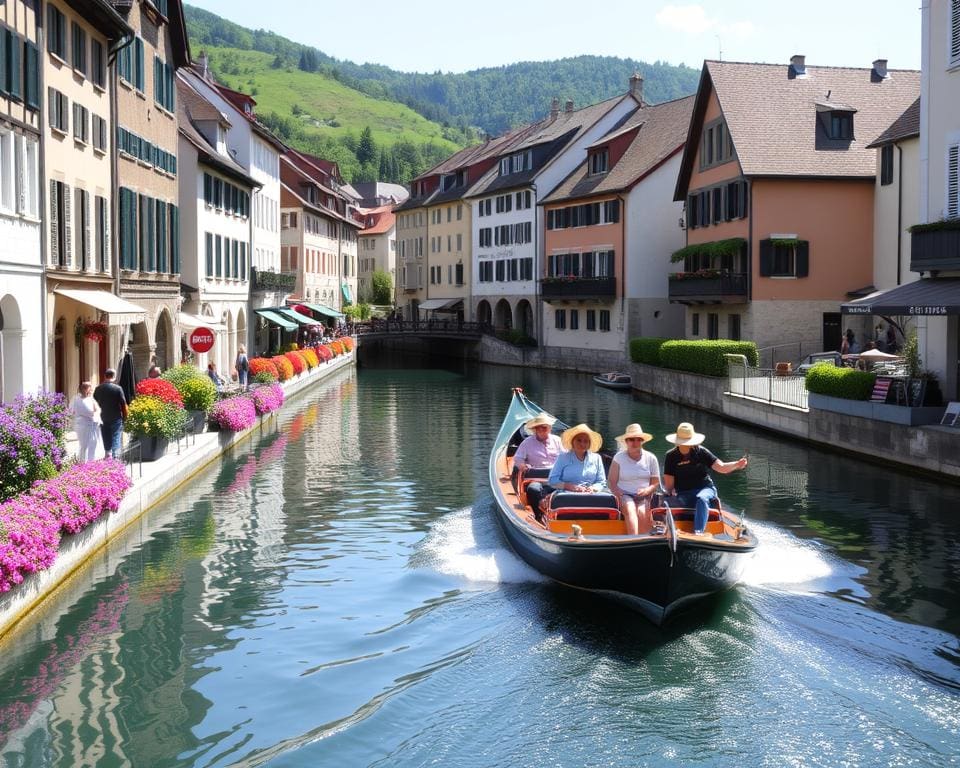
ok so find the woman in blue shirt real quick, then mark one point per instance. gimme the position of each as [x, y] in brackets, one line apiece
[580, 469]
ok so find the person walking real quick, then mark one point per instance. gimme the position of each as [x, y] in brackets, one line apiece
[86, 422]
[243, 366]
[113, 409]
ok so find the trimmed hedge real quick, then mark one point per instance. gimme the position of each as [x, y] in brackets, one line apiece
[703, 357]
[646, 350]
[848, 383]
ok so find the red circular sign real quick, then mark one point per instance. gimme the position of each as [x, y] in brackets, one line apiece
[201, 340]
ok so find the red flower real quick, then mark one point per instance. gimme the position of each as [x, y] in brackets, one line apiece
[162, 389]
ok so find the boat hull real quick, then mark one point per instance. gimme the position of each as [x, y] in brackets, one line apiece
[621, 384]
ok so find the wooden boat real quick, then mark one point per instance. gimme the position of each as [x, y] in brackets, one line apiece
[587, 547]
[613, 380]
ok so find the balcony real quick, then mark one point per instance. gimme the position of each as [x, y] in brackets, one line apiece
[935, 248]
[284, 282]
[579, 288]
[708, 287]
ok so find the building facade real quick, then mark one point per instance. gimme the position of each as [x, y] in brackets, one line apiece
[376, 250]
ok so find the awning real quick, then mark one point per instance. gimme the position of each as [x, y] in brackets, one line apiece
[347, 295]
[189, 322]
[435, 305]
[323, 310]
[118, 311]
[292, 314]
[272, 317]
[930, 296]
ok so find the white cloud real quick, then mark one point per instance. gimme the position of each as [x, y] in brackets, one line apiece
[694, 20]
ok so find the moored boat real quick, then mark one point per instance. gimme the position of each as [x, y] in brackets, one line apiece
[585, 545]
[613, 380]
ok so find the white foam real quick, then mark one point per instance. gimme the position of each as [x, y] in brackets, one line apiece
[783, 559]
[471, 547]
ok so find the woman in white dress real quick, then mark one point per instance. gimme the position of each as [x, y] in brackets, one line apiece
[634, 477]
[86, 422]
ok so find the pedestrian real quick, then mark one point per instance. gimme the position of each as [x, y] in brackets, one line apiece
[243, 366]
[113, 412]
[86, 422]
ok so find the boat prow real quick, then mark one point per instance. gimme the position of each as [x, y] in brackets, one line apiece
[613, 380]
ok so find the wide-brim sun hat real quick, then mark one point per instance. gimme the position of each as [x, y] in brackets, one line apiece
[596, 440]
[685, 435]
[542, 419]
[634, 430]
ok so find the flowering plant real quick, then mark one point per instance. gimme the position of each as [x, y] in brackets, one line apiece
[347, 342]
[310, 357]
[336, 347]
[261, 365]
[162, 389]
[149, 416]
[95, 331]
[83, 493]
[697, 274]
[32, 430]
[234, 413]
[198, 394]
[324, 354]
[267, 399]
[297, 361]
[284, 367]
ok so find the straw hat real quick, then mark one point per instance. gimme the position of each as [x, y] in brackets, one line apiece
[581, 429]
[542, 419]
[634, 430]
[685, 435]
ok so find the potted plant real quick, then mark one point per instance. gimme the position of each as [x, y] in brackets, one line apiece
[923, 388]
[199, 395]
[154, 422]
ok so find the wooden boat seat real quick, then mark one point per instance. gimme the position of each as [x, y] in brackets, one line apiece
[583, 506]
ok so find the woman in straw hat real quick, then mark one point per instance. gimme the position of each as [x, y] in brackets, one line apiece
[537, 453]
[580, 469]
[686, 475]
[634, 478]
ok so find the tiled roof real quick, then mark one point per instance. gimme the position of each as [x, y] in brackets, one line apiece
[907, 126]
[661, 132]
[772, 116]
[383, 220]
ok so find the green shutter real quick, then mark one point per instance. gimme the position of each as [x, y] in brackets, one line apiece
[157, 81]
[139, 65]
[31, 76]
[766, 258]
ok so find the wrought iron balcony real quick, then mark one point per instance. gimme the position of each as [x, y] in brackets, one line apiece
[272, 281]
[602, 288]
[708, 287]
[935, 249]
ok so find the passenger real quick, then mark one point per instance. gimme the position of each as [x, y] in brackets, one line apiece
[634, 478]
[686, 476]
[580, 469]
[539, 451]
[216, 378]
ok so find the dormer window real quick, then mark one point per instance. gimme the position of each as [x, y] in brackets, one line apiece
[448, 181]
[516, 163]
[716, 146]
[598, 161]
[247, 108]
[841, 125]
[837, 119]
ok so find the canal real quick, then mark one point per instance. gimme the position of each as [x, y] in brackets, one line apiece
[337, 593]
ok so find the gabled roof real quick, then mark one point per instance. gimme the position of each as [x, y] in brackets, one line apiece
[377, 221]
[239, 101]
[771, 114]
[302, 176]
[907, 126]
[104, 16]
[660, 133]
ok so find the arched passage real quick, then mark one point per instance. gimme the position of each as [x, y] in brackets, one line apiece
[503, 316]
[525, 317]
[484, 313]
[163, 348]
[11, 349]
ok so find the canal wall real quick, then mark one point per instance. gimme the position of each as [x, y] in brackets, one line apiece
[496, 352]
[157, 480]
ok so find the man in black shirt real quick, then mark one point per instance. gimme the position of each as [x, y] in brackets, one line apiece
[113, 404]
[686, 475]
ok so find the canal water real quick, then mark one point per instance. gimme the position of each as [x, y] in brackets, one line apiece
[337, 593]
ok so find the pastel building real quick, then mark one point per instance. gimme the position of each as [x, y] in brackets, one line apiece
[376, 248]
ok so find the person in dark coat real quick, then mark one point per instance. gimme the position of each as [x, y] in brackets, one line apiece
[113, 411]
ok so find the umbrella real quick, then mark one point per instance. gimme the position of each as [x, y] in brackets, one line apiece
[127, 378]
[875, 355]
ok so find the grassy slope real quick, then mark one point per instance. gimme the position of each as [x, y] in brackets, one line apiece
[331, 109]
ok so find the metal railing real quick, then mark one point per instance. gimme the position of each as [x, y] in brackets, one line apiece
[452, 327]
[793, 352]
[765, 384]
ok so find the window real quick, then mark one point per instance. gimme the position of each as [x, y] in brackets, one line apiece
[841, 125]
[598, 161]
[81, 130]
[736, 203]
[7, 171]
[218, 260]
[56, 32]
[79, 49]
[784, 257]
[560, 319]
[574, 319]
[716, 146]
[59, 106]
[604, 319]
[31, 79]
[98, 65]
[164, 90]
[733, 327]
[591, 319]
[208, 248]
[695, 324]
[130, 63]
[713, 325]
[99, 130]
[886, 165]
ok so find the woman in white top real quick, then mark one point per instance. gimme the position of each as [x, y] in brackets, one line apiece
[634, 477]
[86, 422]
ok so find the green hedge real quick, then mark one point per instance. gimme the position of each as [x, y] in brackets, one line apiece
[848, 383]
[705, 357]
[646, 350]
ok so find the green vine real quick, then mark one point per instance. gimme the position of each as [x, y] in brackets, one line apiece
[786, 242]
[718, 248]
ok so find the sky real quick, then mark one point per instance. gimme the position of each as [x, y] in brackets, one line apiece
[421, 36]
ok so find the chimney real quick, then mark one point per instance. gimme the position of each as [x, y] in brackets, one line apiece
[880, 68]
[204, 63]
[798, 64]
[568, 107]
[554, 107]
[636, 86]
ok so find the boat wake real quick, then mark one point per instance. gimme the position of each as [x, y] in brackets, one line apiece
[468, 544]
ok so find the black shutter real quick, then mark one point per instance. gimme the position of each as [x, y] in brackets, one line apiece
[803, 258]
[692, 213]
[766, 258]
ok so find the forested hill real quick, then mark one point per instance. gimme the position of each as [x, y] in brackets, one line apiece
[492, 99]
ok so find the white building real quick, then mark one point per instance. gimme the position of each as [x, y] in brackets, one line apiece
[376, 249]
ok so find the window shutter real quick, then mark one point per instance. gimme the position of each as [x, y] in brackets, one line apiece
[743, 199]
[803, 258]
[14, 66]
[4, 70]
[766, 258]
[955, 32]
[52, 102]
[174, 239]
[20, 163]
[67, 226]
[31, 84]
[139, 66]
[54, 225]
[953, 176]
[157, 81]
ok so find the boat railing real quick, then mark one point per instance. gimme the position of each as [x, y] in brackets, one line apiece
[779, 387]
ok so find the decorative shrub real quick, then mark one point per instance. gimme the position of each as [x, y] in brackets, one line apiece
[260, 365]
[264, 377]
[267, 399]
[336, 347]
[323, 353]
[646, 350]
[199, 394]
[32, 431]
[31, 523]
[162, 389]
[850, 384]
[347, 342]
[284, 367]
[234, 413]
[705, 357]
[297, 361]
[310, 357]
[149, 416]
[180, 374]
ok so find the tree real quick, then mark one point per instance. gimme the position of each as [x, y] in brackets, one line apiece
[367, 148]
[382, 288]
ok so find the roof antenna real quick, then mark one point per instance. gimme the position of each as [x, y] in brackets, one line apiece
[719, 48]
